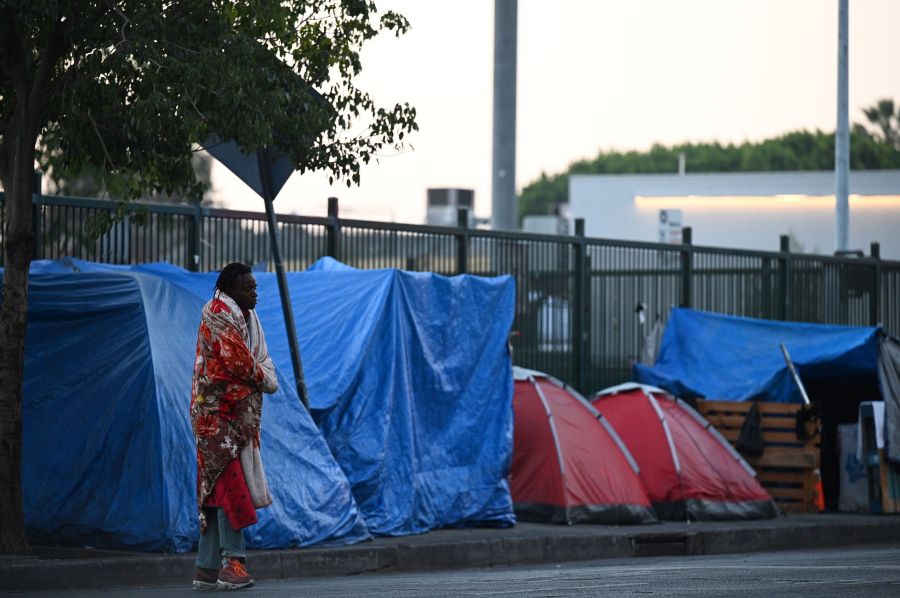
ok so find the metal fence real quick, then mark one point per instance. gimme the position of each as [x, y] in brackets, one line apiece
[576, 297]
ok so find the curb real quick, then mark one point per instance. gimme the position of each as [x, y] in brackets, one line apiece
[526, 544]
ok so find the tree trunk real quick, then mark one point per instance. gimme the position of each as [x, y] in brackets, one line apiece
[18, 246]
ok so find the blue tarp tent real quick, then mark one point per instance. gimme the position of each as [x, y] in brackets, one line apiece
[409, 379]
[108, 455]
[413, 392]
[729, 358]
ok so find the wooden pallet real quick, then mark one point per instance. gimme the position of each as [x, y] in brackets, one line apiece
[788, 467]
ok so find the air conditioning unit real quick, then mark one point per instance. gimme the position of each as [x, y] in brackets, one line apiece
[444, 203]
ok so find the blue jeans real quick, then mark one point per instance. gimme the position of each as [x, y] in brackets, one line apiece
[219, 541]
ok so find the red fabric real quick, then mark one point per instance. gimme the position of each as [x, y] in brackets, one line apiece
[231, 493]
[634, 419]
[596, 471]
[534, 475]
[709, 471]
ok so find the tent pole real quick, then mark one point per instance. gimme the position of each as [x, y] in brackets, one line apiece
[797, 381]
[265, 176]
[553, 432]
[675, 460]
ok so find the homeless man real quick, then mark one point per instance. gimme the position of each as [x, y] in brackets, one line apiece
[231, 371]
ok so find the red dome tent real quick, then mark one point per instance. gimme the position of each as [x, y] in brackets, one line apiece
[568, 465]
[689, 469]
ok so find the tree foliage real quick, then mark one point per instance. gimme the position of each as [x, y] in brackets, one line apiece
[138, 82]
[126, 89]
[799, 150]
[885, 120]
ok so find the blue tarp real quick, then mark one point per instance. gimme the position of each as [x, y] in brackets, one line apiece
[730, 358]
[409, 380]
[414, 392]
[108, 454]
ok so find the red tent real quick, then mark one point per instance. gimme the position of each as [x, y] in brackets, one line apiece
[690, 470]
[569, 466]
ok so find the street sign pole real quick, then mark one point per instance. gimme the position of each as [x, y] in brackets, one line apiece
[265, 174]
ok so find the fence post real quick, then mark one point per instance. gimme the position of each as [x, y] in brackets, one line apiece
[765, 306]
[37, 217]
[462, 241]
[194, 247]
[687, 266]
[784, 273]
[126, 239]
[586, 317]
[333, 230]
[578, 334]
[875, 297]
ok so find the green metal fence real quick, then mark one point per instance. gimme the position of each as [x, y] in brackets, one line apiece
[576, 297]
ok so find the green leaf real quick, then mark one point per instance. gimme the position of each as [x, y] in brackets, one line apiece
[140, 86]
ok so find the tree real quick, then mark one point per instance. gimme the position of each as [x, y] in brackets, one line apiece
[127, 88]
[887, 121]
[797, 150]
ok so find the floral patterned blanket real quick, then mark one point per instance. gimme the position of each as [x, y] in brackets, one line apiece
[232, 369]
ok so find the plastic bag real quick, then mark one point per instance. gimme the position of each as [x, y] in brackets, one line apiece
[750, 440]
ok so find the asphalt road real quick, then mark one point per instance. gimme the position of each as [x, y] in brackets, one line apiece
[868, 572]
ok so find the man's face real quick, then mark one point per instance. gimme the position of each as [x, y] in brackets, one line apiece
[243, 291]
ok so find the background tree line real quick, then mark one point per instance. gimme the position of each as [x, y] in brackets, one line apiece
[873, 146]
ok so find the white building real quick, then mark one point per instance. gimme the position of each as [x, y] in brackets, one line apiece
[548, 225]
[443, 205]
[747, 210]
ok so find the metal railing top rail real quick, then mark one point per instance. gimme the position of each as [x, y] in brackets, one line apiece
[109, 204]
[191, 210]
[758, 253]
[396, 226]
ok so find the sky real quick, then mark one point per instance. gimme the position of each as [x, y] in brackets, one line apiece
[595, 75]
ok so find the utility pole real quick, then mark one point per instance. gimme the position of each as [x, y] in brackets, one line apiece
[503, 201]
[842, 139]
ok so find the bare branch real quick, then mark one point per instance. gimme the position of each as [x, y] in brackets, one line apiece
[182, 48]
[125, 22]
[199, 113]
[107, 158]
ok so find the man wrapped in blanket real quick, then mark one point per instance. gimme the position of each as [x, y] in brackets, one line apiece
[231, 371]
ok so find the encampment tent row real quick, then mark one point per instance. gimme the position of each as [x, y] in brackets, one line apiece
[418, 419]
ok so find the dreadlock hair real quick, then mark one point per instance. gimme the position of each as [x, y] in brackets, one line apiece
[229, 274]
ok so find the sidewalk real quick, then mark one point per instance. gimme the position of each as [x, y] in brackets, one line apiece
[526, 543]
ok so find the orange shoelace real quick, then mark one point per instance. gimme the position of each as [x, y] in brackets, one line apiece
[238, 568]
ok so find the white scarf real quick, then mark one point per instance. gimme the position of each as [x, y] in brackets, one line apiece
[260, 352]
[251, 463]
